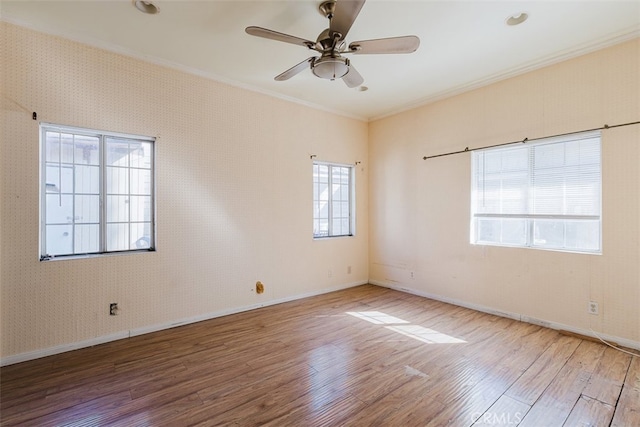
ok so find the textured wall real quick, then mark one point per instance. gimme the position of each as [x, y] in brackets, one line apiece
[234, 199]
[420, 210]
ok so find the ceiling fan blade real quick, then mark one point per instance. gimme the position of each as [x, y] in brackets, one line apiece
[295, 69]
[274, 35]
[345, 14]
[353, 77]
[404, 44]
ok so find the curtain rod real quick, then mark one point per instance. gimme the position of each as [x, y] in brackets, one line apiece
[467, 149]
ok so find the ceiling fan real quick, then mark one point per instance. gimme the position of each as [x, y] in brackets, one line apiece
[331, 44]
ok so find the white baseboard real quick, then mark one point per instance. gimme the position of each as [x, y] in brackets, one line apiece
[63, 348]
[36, 354]
[516, 316]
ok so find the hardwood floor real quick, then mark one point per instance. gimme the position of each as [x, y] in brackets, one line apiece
[366, 356]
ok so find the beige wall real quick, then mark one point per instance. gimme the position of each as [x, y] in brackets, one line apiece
[233, 197]
[420, 210]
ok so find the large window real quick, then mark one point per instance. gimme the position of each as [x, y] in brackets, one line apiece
[332, 200]
[97, 192]
[544, 195]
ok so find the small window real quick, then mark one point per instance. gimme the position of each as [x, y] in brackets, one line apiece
[544, 195]
[97, 192]
[332, 200]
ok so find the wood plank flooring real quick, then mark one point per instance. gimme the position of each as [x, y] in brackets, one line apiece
[366, 356]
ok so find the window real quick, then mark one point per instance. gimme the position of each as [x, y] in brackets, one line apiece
[332, 200]
[96, 192]
[544, 195]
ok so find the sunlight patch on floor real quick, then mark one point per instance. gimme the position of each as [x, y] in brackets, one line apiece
[376, 317]
[417, 332]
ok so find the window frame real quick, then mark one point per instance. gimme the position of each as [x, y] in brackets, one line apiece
[529, 217]
[330, 202]
[102, 223]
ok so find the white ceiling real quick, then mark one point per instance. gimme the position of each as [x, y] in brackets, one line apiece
[464, 44]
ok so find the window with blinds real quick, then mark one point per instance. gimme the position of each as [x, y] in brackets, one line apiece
[544, 195]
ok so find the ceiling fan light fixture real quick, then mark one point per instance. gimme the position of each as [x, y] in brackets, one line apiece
[517, 19]
[146, 6]
[330, 68]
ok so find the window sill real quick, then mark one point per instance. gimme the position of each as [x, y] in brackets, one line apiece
[333, 237]
[96, 255]
[537, 248]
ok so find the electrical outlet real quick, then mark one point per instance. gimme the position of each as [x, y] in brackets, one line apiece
[348, 269]
[113, 309]
[413, 275]
[592, 308]
[329, 273]
[259, 287]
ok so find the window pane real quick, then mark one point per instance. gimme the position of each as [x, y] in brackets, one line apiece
[87, 209]
[86, 150]
[117, 152]
[488, 230]
[548, 234]
[513, 193]
[502, 231]
[501, 188]
[59, 209]
[117, 237]
[140, 235]
[117, 208]
[59, 179]
[87, 238]
[117, 180]
[583, 191]
[59, 239]
[66, 144]
[140, 181]
[336, 226]
[548, 156]
[346, 229]
[323, 191]
[582, 235]
[566, 178]
[323, 228]
[548, 192]
[322, 173]
[140, 208]
[488, 195]
[87, 179]
[52, 146]
[569, 235]
[141, 155]
[514, 231]
[337, 210]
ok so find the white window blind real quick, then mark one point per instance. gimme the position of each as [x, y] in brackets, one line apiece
[545, 195]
